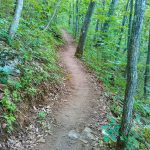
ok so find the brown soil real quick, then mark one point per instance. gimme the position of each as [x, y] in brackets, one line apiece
[81, 107]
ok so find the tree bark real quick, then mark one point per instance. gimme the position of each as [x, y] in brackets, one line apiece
[130, 23]
[104, 7]
[84, 29]
[53, 16]
[131, 72]
[147, 73]
[15, 23]
[129, 30]
[110, 13]
[123, 24]
[96, 30]
[73, 14]
[77, 18]
[70, 15]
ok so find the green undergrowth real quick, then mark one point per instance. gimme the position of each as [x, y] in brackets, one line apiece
[34, 53]
[38, 63]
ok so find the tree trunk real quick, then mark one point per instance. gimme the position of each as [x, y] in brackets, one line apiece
[83, 35]
[73, 14]
[130, 23]
[70, 15]
[77, 18]
[96, 30]
[104, 7]
[15, 23]
[110, 13]
[53, 16]
[147, 73]
[129, 30]
[123, 24]
[131, 72]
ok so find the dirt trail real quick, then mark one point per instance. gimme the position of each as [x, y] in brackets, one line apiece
[78, 105]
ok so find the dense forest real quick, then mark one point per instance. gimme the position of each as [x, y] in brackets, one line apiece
[50, 49]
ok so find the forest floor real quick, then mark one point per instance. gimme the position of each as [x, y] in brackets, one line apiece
[82, 112]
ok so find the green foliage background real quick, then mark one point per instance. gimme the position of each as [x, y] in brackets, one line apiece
[37, 51]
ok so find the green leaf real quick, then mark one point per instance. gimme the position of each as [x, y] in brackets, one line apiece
[106, 139]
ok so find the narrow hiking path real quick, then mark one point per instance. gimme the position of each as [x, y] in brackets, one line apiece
[79, 105]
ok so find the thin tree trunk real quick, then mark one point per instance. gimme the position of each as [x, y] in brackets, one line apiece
[70, 15]
[105, 26]
[96, 30]
[73, 16]
[123, 24]
[77, 18]
[79, 15]
[104, 7]
[15, 23]
[129, 30]
[130, 23]
[83, 35]
[147, 73]
[110, 13]
[131, 72]
[53, 16]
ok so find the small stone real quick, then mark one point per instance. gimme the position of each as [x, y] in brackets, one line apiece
[31, 136]
[88, 130]
[4, 125]
[84, 141]
[18, 145]
[95, 148]
[73, 135]
[37, 130]
[41, 140]
[87, 135]
[11, 141]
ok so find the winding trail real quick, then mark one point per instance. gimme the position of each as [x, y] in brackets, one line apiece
[76, 112]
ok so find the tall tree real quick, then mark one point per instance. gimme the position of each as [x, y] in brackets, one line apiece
[129, 30]
[147, 73]
[123, 24]
[111, 12]
[70, 15]
[77, 18]
[130, 23]
[99, 25]
[73, 14]
[131, 71]
[96, 30]
[84, 29]
[54, 14]
[15, 23]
